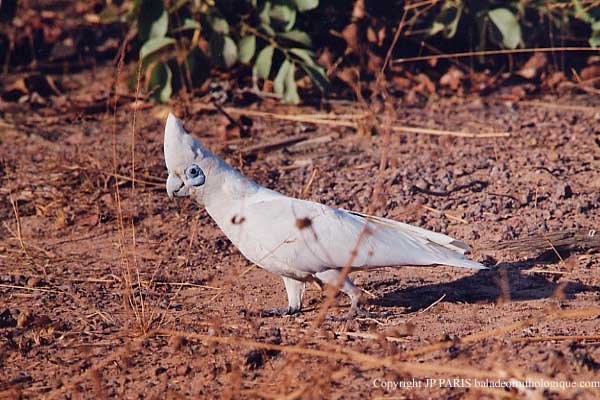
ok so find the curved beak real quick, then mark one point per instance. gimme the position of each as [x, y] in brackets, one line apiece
[175, 186]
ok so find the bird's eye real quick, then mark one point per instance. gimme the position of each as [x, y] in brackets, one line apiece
[194, 175]
[193, 171]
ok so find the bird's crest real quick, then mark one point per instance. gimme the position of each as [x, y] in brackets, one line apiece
[181, 149]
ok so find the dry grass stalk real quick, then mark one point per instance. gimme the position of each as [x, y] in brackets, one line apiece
[490, 53]
[577, 338]
[31, 289]
[309, 183]
[364, 361]
[561, 239]
[429, 307]
[447, 215]
[372, 336]
[551, 315]
[563, 107]
[352, 123]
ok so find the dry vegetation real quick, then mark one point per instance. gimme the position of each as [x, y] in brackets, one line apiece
[110, 290]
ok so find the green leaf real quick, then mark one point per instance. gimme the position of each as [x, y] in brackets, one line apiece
[318, 76]
[265, 13]
[279, 83]
[447, 20]
[581, 12]
[297, 36]
[153, 20]
[267, 28]
[436, 28]
[283, 15]
[230, 52]
[262, 67]
[223, 50]
[290, 94]
[305, 5]
[154, 45]
[189, 24]
[219, 24]
[312, 69]
[160, 82]
[508, 25]
[594, 40]
[305, 55]
[247, 48]
[196, 67]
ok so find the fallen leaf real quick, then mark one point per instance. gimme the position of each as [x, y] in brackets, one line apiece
[591, 72]
[453, 78]
[533, 66]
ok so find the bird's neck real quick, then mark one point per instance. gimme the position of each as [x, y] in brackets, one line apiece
[227, 191]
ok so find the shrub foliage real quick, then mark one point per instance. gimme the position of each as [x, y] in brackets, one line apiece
[182, 40]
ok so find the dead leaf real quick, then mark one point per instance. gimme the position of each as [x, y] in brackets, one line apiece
[591, 72]
[555, 79]
[371, 35]
[533, 66]
[350, 35]
[358, 11]
[453, 78]
[426, 82]
[401, 82]
[326, 58]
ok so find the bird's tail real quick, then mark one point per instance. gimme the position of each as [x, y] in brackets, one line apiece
[450, 251]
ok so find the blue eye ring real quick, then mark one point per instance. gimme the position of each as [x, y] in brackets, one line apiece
[194, 175]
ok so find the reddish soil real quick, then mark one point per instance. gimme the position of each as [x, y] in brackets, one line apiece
[73, 282]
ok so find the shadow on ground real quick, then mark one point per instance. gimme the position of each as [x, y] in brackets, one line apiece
[486, 286]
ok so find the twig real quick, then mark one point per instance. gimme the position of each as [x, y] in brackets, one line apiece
[491, 53]
[183, 284]
[274, 145]
[449, 216]
[565, 107]
[371, 336]
[353, 124]
[556, 338]
[475, 337]
[429, 307]
[31, 289]
[309, 183]
[22, 242]
[545, 271]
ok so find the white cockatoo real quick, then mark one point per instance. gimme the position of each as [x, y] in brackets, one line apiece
[299, 240]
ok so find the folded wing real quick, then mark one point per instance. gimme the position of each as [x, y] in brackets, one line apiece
[313, 237]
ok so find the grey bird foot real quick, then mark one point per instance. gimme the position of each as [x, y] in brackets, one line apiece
[279, 312]
[358, 313]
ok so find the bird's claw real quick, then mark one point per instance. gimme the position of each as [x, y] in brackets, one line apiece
[278, 312]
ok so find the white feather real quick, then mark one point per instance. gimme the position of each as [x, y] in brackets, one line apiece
[295, 238]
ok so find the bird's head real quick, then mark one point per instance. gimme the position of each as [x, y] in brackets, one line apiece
[187, 160]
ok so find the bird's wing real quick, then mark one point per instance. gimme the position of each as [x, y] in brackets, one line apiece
[435, 237]
[313, 237]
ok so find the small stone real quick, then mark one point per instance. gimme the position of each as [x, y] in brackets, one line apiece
[183, 370]
[422, 184]
[7, 320]
[176, 342]
[34, 282]
[558, 214]
[564, 191]
[24, 319]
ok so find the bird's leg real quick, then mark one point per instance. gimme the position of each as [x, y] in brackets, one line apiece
[295, 292]
[331, 277]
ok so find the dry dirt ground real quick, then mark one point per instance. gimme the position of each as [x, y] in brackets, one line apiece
[110, 290]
